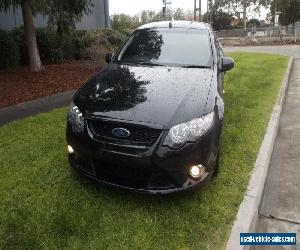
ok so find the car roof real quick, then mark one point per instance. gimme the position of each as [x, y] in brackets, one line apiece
[176, 24]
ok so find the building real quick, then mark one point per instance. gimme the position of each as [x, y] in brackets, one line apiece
[98, 18]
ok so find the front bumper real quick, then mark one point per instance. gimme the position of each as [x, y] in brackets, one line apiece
[159, 170]
[159, 189]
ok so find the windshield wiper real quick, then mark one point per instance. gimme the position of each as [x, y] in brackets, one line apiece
[196, 67]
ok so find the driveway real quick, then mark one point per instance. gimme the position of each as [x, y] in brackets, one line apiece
[286, 50]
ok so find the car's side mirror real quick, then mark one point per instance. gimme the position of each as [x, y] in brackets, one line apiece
[109, 57]
[227, 64]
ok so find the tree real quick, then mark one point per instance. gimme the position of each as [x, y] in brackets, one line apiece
[253, 22]
[30, 36]
[122, 22]
[290, 11]
[148, 16]
[220, 19]
[235, 5]
[179, 14]
[63, 13]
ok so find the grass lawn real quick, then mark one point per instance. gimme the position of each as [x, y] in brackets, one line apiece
[43, 204]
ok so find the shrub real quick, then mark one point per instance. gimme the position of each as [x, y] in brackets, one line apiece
[103, 41]
[9, 53]
[49, 46]
[19, 37]
[47, 41]
[52, 47]
[114, 37]
[126, 32]
[77, 45]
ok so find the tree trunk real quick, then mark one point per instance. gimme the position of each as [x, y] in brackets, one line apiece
[245, 14]
[32, 49]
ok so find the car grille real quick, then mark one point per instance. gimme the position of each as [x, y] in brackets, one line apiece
[139, 135]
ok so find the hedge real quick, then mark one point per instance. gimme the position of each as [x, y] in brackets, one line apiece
[54, 49]
[9, 53]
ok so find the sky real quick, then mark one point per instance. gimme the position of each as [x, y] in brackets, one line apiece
[132, 7]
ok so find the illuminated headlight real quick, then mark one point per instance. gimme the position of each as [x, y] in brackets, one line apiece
[197, 171]
[76, 119]
[189, 132]
[70, 149]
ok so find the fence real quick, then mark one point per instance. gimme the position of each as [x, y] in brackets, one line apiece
[265, 35]
[259, 32]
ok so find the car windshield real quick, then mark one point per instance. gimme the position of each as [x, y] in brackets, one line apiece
[175, 46]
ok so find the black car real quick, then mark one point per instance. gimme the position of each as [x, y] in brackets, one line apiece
[151, 119]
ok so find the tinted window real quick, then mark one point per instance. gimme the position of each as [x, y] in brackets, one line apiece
[175, 46]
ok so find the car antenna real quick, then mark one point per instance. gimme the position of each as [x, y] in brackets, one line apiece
[170, 25]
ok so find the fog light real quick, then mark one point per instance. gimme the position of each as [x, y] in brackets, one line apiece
[70, 149]
[197, 171]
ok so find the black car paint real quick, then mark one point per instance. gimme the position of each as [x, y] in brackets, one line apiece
[154, 97]
[146, 94]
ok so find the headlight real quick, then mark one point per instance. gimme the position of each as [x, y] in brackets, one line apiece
[189, 132]
[76, 119]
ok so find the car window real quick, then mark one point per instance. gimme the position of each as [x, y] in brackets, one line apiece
[166, 46]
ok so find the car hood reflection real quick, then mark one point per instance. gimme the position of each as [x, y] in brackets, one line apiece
[146, 94]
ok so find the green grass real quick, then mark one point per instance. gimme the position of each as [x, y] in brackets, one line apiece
[45, 205]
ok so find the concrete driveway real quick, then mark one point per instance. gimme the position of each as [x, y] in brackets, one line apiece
[286, 50]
